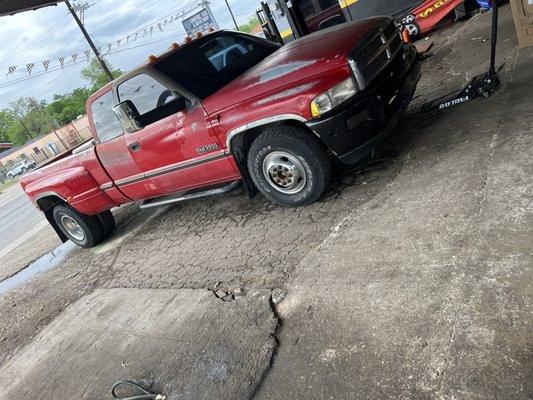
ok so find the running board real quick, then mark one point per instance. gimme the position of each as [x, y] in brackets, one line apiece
[163, 201]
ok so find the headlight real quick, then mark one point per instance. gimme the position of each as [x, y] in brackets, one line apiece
[333, 97]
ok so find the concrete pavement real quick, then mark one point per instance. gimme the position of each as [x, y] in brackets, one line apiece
[425, 291]
[185, 343]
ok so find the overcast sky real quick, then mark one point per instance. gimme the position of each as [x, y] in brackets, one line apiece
[51, 33]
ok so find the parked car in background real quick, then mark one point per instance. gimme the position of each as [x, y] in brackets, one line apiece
[20, 168]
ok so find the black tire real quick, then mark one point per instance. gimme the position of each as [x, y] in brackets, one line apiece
[93, 232]
[306, 154]
[107, 221]
[24, 170]
[9, 176]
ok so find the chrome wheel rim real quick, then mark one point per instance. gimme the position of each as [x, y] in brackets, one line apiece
[284, 172]
[72, 227]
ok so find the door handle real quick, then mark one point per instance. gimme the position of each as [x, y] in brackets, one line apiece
[135, 146]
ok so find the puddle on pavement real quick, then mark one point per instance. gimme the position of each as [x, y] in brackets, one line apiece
[42, 264]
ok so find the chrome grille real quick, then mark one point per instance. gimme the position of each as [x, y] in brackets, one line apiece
[375, 53]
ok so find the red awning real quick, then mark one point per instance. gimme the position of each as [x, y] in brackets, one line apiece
[10, 7]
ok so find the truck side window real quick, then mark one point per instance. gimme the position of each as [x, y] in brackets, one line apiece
[153, 100]
[105, 121]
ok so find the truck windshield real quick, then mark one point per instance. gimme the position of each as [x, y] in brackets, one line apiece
[205, 66]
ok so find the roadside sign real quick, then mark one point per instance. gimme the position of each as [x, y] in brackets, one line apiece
[199, 22]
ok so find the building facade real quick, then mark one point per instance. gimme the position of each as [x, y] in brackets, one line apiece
[50, 145]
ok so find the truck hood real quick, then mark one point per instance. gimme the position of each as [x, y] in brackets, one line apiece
[313, 54]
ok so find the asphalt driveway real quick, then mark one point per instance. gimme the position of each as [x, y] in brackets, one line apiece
[20, 219]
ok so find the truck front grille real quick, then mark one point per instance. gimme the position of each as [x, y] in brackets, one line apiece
[375, 52]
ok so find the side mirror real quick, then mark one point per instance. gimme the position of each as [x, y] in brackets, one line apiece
[181, 103]
[129, 116]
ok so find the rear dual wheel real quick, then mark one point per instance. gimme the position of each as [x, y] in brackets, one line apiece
[84, 230]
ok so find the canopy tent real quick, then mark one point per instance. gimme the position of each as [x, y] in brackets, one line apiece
[10, 7]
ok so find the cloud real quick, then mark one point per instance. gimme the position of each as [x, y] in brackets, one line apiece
[50, 33]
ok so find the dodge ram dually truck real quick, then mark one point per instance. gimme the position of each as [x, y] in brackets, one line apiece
[226, 108]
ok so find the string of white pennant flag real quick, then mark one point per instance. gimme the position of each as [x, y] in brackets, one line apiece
[61, 62]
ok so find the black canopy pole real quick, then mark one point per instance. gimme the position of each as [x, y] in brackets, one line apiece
[89, 40]
[493, 37]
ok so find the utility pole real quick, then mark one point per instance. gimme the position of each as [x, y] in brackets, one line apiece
[232, 16]
[81, 8]
[89, 40]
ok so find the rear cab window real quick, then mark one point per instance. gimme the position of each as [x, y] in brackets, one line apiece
[207, 65]
[105, 121]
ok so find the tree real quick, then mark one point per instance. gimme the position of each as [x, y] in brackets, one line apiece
[66, 107]
[27, 118]
[17, 134]
[94, 73]
[32, 119]
[7, 119]
[249, 26]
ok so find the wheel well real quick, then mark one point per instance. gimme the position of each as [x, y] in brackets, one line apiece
[240, 144]
[48, 202]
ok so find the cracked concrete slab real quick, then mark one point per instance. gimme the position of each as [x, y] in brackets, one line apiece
[185, 343]
[424, 292]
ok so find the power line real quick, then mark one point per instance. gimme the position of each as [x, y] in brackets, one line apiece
[25, 78]
[121, 18]
[54, 69]
[183, 9]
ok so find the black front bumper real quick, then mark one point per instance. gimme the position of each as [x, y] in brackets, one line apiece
[355, 128]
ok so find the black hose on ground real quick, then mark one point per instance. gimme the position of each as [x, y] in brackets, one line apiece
[145, 394]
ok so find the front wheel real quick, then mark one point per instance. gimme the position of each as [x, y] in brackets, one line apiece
[289, 166]
[84, 230]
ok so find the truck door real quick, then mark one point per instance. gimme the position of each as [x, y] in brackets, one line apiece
[177, 149]
[111, 148]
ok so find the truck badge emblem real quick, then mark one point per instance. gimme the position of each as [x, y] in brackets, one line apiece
[207, 148]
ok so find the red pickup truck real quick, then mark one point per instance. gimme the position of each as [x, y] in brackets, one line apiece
[226, 108]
